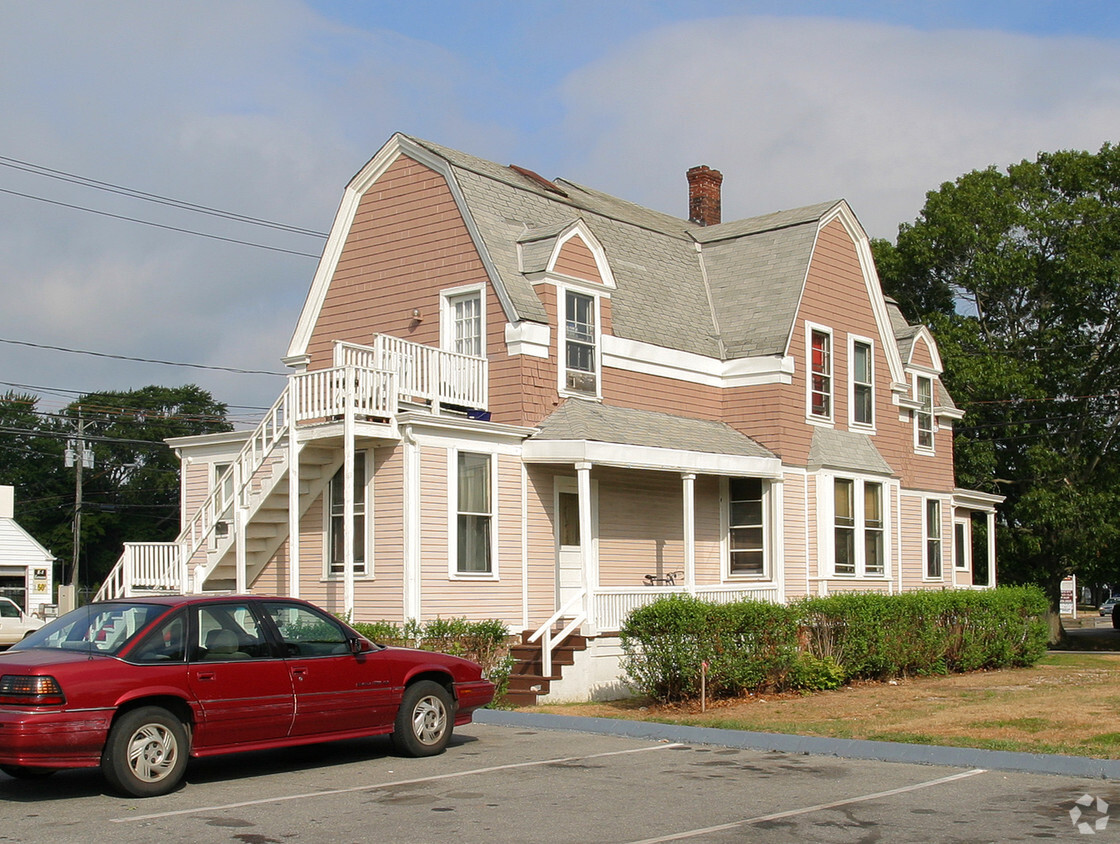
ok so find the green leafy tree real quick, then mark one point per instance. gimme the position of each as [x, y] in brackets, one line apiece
[132, 492]
[1018, 274]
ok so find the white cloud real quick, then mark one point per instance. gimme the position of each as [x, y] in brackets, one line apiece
[798, 110]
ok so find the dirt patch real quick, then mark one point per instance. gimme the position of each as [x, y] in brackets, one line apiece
[1069, 703]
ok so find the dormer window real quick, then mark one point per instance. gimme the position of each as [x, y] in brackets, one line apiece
[580, 343]
[923, 416]
[820, 374]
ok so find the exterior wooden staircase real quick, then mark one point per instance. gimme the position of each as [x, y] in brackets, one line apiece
[526, 681]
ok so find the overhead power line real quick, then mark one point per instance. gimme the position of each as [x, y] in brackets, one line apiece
[160, 225]
[141, 360]
[85, 181]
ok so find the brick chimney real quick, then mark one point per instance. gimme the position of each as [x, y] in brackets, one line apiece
[704, 206]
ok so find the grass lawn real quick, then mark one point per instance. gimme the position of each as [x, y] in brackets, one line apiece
[1068, 703]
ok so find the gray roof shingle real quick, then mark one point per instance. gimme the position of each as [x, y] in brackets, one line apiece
[735, 296]
[583, 420]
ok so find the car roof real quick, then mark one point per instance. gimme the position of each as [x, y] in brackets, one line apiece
[184, 600]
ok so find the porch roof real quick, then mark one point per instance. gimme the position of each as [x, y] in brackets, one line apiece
[585, 431]
[846, 450]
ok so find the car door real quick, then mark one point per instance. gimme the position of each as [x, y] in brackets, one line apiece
[243, 687]
[336, 691]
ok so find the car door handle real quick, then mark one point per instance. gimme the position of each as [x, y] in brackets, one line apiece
[205, 675]
[299, 673]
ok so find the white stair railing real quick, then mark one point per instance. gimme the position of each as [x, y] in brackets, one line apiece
[550, 641]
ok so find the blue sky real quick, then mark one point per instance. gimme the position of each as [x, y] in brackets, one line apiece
[268, 107]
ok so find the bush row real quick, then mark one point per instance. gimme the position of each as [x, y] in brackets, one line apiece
[822, 643]
[485, 642]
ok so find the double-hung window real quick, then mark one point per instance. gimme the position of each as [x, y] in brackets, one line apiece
[820, 374]
[474, 514]
[580, 343]
[746, 527]
[336, 542]
[863, 390]
[933, 538]
[923, 416]
[859, 528]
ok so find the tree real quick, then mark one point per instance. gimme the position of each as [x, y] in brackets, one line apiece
[1018, 275]
[132, 492]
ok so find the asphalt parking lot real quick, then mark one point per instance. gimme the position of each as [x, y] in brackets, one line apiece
[514, 783]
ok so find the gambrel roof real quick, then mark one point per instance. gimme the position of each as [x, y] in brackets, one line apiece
[727, 291]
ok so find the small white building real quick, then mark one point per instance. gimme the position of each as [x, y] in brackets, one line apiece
[26, 567]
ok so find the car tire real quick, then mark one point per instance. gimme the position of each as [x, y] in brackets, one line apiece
[424, 721]
[24, 772]
[146, 754]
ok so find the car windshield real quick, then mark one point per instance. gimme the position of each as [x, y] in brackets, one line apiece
[100, 628]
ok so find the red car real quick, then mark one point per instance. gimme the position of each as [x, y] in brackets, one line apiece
[136, 686]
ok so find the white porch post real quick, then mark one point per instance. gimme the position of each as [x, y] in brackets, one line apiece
[348, 495]
[411, 501]
[293, 511]
[589, 562]
[688, 491]
[240, 584]
[991, 549]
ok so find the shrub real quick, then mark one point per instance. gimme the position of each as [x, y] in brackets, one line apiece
[821, 643]
[486, 642]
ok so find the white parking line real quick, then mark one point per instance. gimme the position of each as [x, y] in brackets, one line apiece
[390, 784]
[692, 833]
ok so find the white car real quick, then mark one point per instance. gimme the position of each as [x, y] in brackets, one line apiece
[14, 622]
[1106, 607]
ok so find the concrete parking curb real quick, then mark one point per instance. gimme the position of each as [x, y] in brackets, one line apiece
[884, 751]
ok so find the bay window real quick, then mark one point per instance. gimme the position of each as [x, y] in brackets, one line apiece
[859, 546]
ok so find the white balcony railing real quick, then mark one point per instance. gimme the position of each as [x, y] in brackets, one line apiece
[423, 373]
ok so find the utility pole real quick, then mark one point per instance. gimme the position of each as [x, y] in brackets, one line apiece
[78, 456]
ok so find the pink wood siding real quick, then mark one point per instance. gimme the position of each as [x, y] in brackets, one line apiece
[641, 525]
[196, 485]
[443, 595]
[575, 259]
[795, 559]
[383, 597]
[921, 354]
[542, 540]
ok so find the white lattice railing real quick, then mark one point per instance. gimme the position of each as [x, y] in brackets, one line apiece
[613, 605]
[423, 373]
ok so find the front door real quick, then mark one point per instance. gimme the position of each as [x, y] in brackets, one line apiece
[569, 543]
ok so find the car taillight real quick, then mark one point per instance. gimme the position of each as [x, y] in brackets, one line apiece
[30, 690]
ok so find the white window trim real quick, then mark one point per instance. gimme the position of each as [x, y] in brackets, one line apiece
[769, 528]
[926, 538]
[326, 575]
[446, 314]
[812, 418]
[866, 427]
[215, 475]
[932, 447]
[826, 523]
[596, 297]
[966, 564]
[453, 572]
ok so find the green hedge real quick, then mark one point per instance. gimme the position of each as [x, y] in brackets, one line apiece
[821, 643]
[486, 642]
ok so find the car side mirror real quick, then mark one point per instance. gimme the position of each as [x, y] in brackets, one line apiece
[355, 645]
